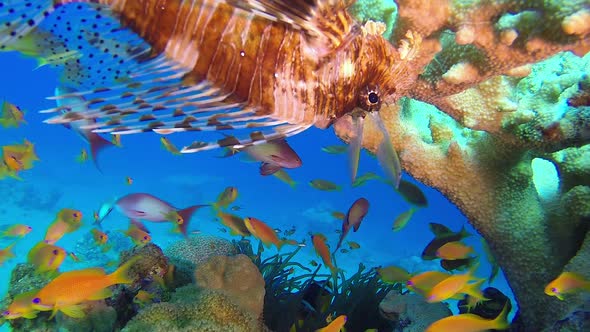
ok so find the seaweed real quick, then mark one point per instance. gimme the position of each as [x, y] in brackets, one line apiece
[357, 297]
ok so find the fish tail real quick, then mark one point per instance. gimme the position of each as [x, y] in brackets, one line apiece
[97, 144]
[18, 18]
[121, 275]
[501, 322]
[186, 215]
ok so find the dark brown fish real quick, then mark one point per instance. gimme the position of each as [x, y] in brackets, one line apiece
[429, 253]
[355, 215]
[258, 69]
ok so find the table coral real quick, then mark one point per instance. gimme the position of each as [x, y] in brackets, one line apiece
[497, 112]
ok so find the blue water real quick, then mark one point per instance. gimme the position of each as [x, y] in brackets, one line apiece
[198, 178]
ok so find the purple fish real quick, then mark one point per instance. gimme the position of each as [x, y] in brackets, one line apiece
[274, 156]
[141, 206]
[357, 212]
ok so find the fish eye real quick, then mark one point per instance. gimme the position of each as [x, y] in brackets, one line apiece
[554, 290]
[145, 237]
[75, 214]
[6, 313]
[55, 252]
[370, 98]
[36, 300]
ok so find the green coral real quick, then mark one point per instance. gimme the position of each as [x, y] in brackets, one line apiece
[193, 309]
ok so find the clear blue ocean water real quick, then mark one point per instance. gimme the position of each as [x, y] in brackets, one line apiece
[58, 181]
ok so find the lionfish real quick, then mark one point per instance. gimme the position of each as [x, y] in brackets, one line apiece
[258, 69]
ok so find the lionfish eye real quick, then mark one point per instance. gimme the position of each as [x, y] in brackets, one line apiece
[36, 300]
[373, 97]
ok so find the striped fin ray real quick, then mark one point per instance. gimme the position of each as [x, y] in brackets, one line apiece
[123, 87]
[324, 22]
[255, 138]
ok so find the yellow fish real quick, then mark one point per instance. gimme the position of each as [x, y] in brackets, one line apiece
[22, 306]
[470, 323]
[336, 325]
[324, 185]
[282, 175]
[168, 146]
[263, 232]
[100, 237]
[451, 286]
[6, 253]
[11, 115]
[67, 221]
[353, 245]
[83, 156]
[46, 257]
[116, 140]
[17, 230]
[142, 298]
[393, 274]
[567, 283]
[234, 223]
[402, 220]
[424, 282]
[321, 248]
[137, 235]
[228, 196]
[454, 250]
[129, 180]
[66, 292]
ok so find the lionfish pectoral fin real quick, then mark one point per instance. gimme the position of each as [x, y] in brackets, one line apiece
[326, 24]
[386, 154]
[238, 140]
[354, 146]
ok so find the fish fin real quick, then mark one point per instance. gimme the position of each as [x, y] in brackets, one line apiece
[121, 275]
[501, 321]
[325, 23]
[354, 146]
[30, 314]
[18, 18]
[268, 169]
[386, 154]
[139, 224]
[102, 294]
[439, 229]
[74, 311]
[97, 144]
[255, 138]
[186, 215]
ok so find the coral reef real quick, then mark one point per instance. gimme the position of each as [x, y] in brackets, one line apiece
[237, 278]
[186, 254]
[194, 309]
[497, 112]
[411, 312]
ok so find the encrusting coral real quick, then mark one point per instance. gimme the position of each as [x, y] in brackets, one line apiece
[497, 112]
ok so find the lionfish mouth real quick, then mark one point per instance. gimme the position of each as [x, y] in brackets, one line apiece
[386, 154]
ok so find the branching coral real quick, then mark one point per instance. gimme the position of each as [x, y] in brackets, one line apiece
[497, 111]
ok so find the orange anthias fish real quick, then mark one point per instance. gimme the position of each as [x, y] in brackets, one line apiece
[274, 156]
[257, 96]
[567, 283]
[424, 282]
[235, 223]
[17, 230]
[66, 292]
[335, 326]
[46, 257]
[264, 233]
[470, 323]
[18, 157]
[227, 196]
[138, 235]
[22, 306]
[99, 236]
[67, 221]
[451, 286]
[321, 248]
[454, 250]
[355, 215]
[11, 115]
[129, 180]
[6, 253]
